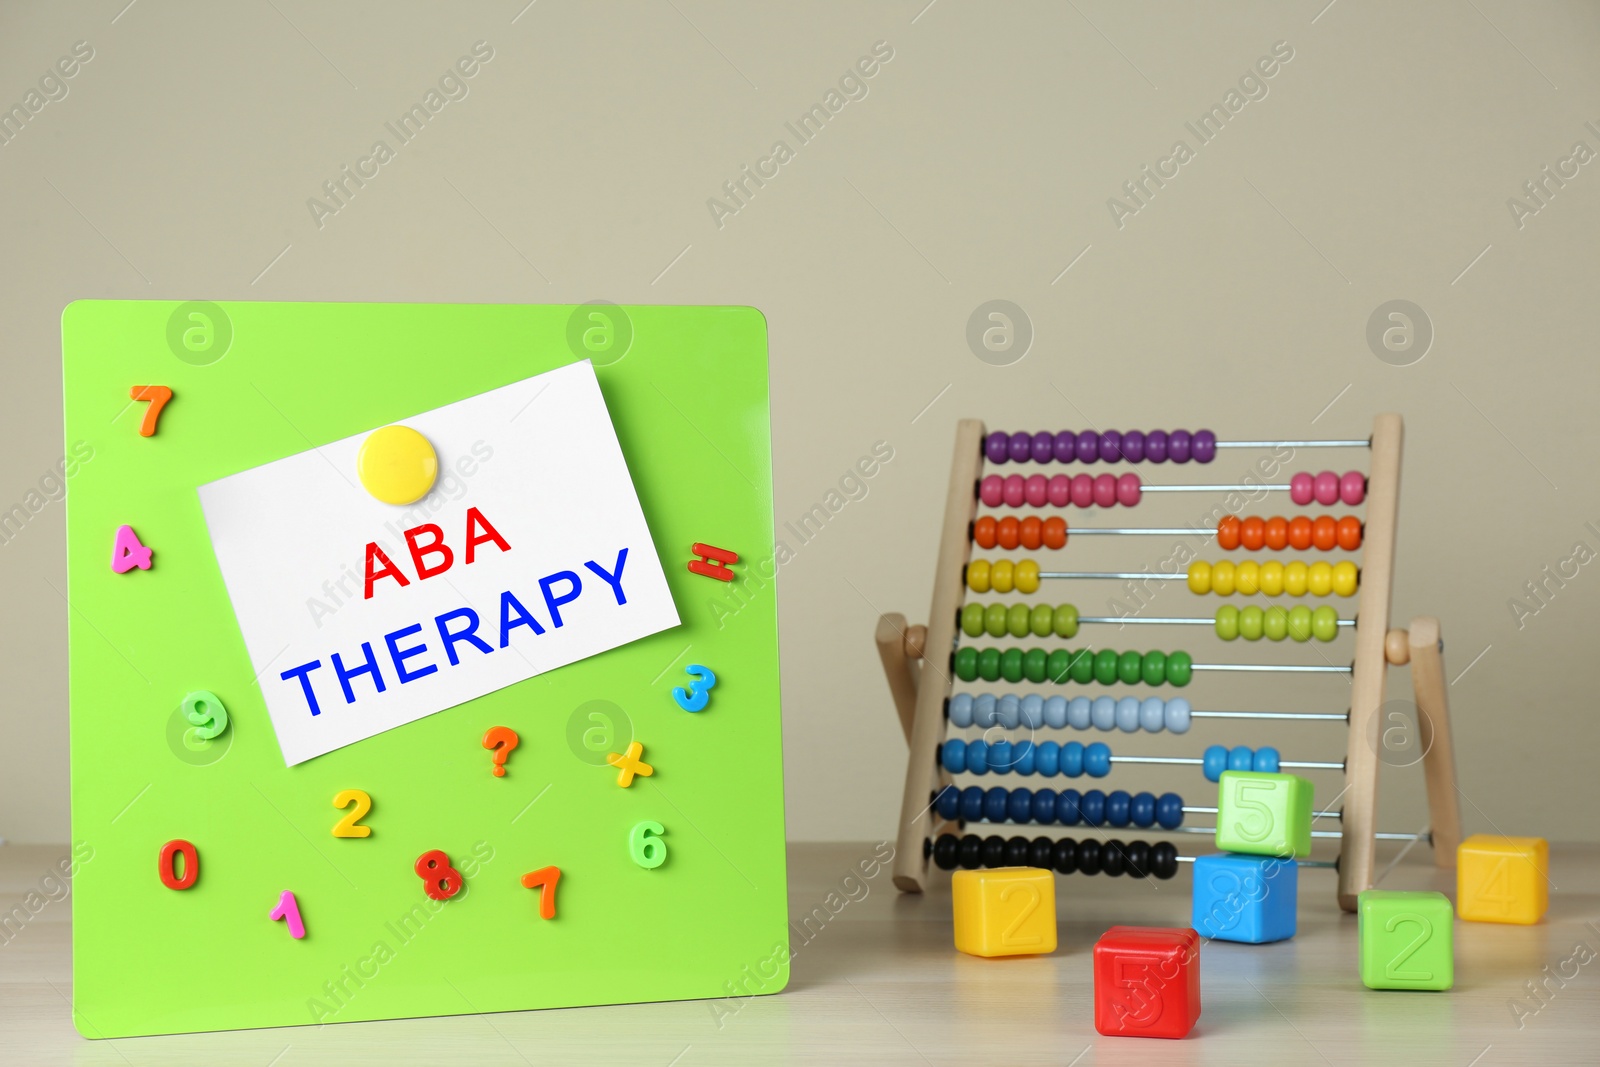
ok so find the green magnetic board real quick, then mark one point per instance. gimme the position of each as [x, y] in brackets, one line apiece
[686, 388]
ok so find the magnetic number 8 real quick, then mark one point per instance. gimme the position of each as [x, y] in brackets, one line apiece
[205, 713]
[439, 880]
[645, 845]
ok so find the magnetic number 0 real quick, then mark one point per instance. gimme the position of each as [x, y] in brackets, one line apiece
[1254, 807]
[346, 827]
[645, 845]
[1392, 968]
[167, 867]
[1009, 937]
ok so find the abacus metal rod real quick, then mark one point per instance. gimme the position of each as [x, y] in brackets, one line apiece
[1327, 716]
[1167, 621]
[1190, 761]
[1298, 863]
[1212, 811]
[1293, 668]
[1315, 833]
[1280, 487]
[1364, 442]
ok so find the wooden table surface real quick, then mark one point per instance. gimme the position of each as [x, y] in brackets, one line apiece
[879, 982]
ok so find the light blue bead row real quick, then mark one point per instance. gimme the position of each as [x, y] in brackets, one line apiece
[1034, 712]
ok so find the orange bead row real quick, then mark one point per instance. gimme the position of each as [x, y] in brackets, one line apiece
[1030, 532]
[1302, 532]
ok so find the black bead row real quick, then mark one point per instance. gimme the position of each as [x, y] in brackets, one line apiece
[1137, 859]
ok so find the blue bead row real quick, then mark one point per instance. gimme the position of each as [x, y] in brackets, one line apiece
[1036, 711]
[1069, 807]
[1049, 758]
[1219, 758]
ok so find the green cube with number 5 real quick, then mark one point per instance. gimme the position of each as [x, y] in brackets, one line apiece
[1406, 940]
[1264, 814]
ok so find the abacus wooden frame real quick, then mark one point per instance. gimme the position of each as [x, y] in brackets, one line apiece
[921, 684]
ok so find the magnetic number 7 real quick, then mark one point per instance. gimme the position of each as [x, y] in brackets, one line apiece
[545, 878]
[1392, 968]
[1255, 807]
[157, 395]
[346, 827]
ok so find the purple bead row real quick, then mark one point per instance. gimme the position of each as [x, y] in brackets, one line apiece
[1108, 446]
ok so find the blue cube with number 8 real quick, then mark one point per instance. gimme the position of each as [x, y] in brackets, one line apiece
[1245, 898]
[1264, 814]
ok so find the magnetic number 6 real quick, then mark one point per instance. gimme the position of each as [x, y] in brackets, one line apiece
[439, 880]
[645, 845]
[167, 867]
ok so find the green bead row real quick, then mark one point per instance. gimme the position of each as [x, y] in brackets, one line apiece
[1019, 620]
[1274, 623]
[1083, 666]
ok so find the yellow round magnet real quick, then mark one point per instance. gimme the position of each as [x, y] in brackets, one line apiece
[397, 465]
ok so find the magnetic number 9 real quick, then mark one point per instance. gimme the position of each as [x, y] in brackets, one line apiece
[205, 713]
[645, 845]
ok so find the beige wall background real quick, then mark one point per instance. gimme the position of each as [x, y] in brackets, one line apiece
[976, 164]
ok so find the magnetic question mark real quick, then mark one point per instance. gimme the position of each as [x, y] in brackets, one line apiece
[500, 740]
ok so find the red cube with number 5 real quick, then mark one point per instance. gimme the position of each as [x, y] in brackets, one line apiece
[1147, 981]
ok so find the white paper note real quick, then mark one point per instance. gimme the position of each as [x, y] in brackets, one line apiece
[532, 487]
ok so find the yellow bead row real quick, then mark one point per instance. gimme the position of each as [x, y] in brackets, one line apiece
[1273, 578]
[1003, 576]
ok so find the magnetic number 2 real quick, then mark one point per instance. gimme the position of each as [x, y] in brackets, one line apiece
[346, 827]
[157, 395]
[1392, 969]
[699, 693]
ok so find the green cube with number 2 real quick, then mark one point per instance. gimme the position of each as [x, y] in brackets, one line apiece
[1406, 940]
[1263, 814]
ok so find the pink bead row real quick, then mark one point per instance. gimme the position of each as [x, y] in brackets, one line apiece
[1079, 490]
[1107, 490]
[1328, 488]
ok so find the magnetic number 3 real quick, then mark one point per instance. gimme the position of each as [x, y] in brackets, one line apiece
[699, 693]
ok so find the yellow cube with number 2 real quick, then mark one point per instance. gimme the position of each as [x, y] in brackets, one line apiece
[1005, 911]
[1502, 879]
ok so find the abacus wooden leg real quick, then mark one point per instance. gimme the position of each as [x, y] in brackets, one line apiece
[1433, 727]
[1360, 800]
[898, 668]
[927, 728]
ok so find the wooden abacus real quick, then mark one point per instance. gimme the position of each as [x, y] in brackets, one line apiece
[922, 663]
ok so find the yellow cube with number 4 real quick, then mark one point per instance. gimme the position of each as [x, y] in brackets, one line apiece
[1502, 879]
[1005, 911]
